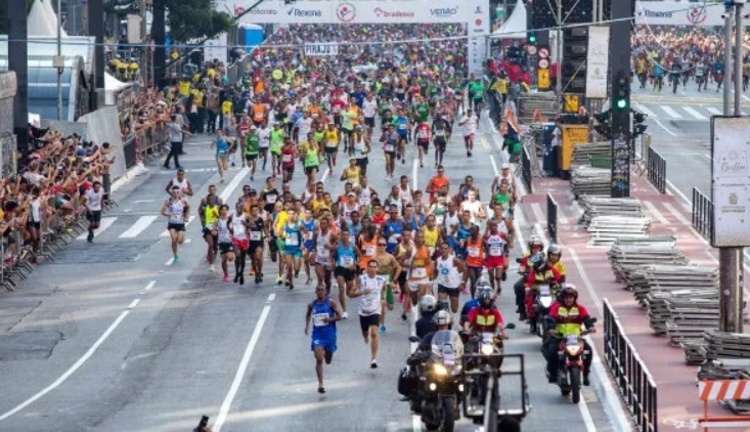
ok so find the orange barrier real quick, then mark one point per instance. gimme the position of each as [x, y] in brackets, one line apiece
[721, 390]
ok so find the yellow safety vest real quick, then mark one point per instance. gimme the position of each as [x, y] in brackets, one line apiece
[564, 325]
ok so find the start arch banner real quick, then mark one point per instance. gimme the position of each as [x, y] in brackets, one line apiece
[680, 13]
[475, 14]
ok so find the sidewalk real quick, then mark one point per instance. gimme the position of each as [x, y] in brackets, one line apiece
[589, 269]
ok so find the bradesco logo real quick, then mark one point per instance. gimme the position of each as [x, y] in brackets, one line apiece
[443, 12]
[346, 12]
[304, 13]
[380, 12]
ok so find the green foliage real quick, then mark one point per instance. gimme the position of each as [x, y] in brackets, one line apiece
[195, 19]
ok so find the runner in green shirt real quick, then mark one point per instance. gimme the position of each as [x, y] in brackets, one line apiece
[422, 109]
[252, 148]
[477, 91]
[276, 142]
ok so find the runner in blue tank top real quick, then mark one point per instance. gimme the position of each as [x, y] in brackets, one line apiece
[322, 313]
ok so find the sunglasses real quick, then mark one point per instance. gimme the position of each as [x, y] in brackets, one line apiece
[382, 244]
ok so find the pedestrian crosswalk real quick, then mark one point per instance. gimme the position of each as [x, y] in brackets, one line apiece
[146, 227]
[696, 112]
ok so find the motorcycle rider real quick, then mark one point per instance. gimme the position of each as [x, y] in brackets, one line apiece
[486, 317]
[541, 273]
[535, 246]
[427, 310]
[554, 255]
[565, 318]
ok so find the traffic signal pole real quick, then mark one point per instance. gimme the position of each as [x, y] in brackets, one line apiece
[619, 46]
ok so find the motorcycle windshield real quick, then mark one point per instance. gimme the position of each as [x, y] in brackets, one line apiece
[447, 345]
[544, 290]
[571, 340]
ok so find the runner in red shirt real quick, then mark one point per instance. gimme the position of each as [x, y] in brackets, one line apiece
[422, 134]
[288, 154]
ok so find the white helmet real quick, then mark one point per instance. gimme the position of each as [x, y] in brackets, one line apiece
[427, 305]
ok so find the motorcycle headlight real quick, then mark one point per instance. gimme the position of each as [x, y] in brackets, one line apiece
[439, 369]
[573, 350]
[487, 349]
[546, 302]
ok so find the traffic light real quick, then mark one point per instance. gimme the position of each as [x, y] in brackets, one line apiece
[638, 119]
[513, 54]
[621, 92]
[531, 38]
[574, 59]
[603, 127]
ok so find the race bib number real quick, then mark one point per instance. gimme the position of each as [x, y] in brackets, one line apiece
[419, 273]
[347, 261]
[449, 358]
[323, 252]
[271, 199]
[440, 219]
[292, 241]
[309, 236]
[370, 305]
[496, 251]
[319, 319]
[389, 148]
[487, 337]
[254, 235]
[286, 158]
[370, 250]
[402, 126]
[439, 133]
[473, 252]
[423, 134]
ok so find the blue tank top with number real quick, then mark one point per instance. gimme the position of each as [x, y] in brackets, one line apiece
[345, 257]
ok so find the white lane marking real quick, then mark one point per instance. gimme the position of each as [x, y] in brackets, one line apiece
[415, 174]
[150, 285]
[695, 113]
[665, 128]
[326, 173]
[744, 96]
[416, 423]
[708, 157]
[620, 422]
[672, 113]
[714, 110]
[645, 110]
[143, 201]
[241, 175]
[676, 214]
[239, 376]
[77, 365]
[655, 212]
[134, 303]
[141, 224]
[536, 208]
[103, 225]
[169, 262]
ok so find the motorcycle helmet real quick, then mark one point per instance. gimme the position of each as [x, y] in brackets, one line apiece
[442, 318]
[484, 295]
[427, 305]
[535, 240]
[568, 289]
[554, 249]
[537, 261]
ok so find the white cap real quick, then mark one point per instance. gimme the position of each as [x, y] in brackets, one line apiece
[506, 166]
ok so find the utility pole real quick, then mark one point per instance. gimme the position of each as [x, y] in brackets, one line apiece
[730, 258]
[59, 61]
[559, 43]
[144, 47]
[18, 61]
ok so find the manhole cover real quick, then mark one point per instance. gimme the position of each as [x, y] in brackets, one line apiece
[79, 252]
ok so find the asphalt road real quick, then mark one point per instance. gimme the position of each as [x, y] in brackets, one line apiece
[111, 338]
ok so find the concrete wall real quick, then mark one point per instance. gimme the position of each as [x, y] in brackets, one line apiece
[7, 92]
[103, 125]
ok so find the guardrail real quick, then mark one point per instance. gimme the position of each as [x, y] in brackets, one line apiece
[657, 170]
[552, 218]
[703, 214]
[526, 170]
[637, 387]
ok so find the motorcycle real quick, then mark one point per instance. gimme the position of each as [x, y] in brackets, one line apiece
[570, 354]
[489, 346]
[441, 382]
[543, 299]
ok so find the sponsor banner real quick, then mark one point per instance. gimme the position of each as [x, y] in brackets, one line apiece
[216, 48]
[357, 11]
[478, 24]
[730, 174]
[597, 62]
[678, 13]
[321, 49]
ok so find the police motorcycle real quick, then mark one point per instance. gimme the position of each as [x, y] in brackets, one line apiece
[543, 293]
[571, 355]
[437, 386]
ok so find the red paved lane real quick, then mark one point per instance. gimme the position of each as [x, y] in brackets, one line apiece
[676, 381]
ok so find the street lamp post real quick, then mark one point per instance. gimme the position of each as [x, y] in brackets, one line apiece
[59, 62]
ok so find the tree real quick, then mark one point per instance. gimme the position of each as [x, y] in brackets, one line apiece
[195, 19]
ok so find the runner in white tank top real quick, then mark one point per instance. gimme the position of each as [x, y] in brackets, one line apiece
[449, 275]
[370, 289]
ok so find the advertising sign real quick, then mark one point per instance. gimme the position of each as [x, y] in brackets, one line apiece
[474, 14]
[730, 181]
[679, 13]
[216, 48]
[321, 49]
[597, 62]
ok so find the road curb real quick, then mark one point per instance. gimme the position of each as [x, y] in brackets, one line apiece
[611, 400]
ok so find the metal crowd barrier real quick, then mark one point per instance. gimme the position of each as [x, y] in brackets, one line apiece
[54, 234]
[637, 386]
[552, 218]
[703, 213]
[526, 169]
[657, 170]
